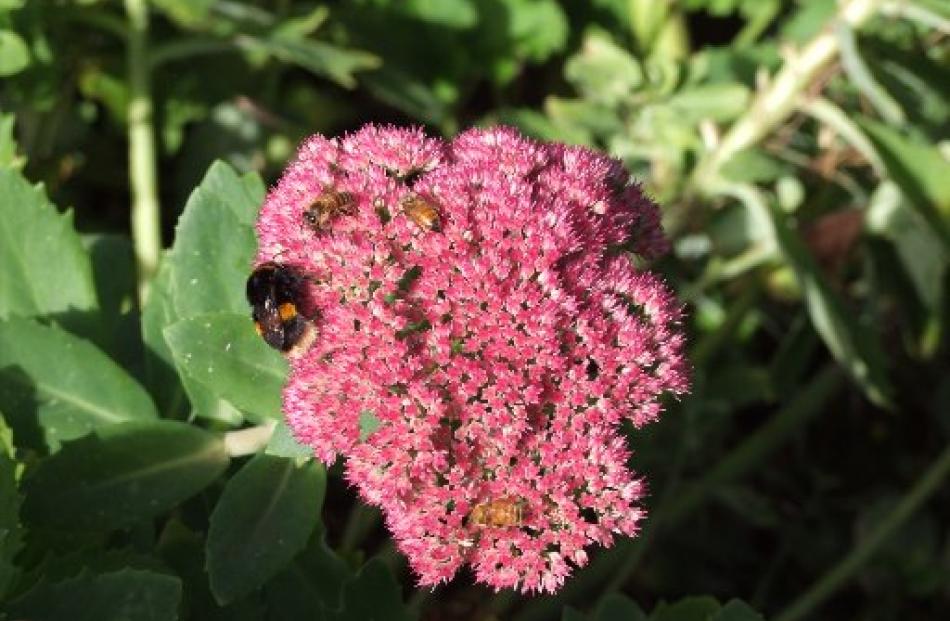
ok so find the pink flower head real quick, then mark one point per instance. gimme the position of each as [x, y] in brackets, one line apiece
[475, 369]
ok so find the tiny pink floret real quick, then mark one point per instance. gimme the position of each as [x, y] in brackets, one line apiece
[493, 357]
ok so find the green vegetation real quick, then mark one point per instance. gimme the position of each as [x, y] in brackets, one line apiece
[800, 150]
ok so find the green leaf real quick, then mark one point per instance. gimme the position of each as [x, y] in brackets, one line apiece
[262, 520]
[113, 264]
[121, 475]
[925, 258]
[753, 165]
[583, 117]
[368, 424]
[159, 312]
[224, 353]
[14, 53]
[862, 78]
[687, 609]
[44, 268]
[11, 533]
[185, 12]
[406, 92]
[323, 59]
[538, 28]
[447, 13]
[8, 145]
[171, 385]
[737, 610]
[283, 444]
[851, 343]
[312, 584]
[55, 386]
[617, 607]
[603, 71]
[718, 102]
[115, 327]
[214, 245]
[919, 170]
[373, 595]
[127, 595]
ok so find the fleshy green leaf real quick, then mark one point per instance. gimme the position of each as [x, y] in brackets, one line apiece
[604, 71]
[919, 170]
[851, 343]
[368, 424]
[55, 386]
[121, 475]
[14, 53]
[8, 145]
[617, 607]
[160, 371]
[408, 93]
[686, 609]
[283, 444]
[318, 57]
[447, 13]
[373, 594]
[11, 533]
[185, 12]
[924, 257]
[718, 102]
[44, 268]
[753, 165]
[126, 595]
[215, 244]
[173, 387]
[262, 520]
[113, 265]
[311, 585]
[737, 610]
[224, 353]
[538, 28]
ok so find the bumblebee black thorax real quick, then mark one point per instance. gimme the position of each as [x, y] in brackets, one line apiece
[274, 292]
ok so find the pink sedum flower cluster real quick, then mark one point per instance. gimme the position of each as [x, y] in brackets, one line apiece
[495, 356]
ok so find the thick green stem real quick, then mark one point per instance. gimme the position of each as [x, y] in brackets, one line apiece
[773, 105]
[248, 441]
[143, 176]
[843, 571]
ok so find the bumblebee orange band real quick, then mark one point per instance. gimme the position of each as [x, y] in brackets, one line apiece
[287, 311]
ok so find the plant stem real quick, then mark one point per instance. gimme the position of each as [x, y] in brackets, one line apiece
[779, 100]
[143, 176]
[844, 570]
[248, 441]
[183, 49]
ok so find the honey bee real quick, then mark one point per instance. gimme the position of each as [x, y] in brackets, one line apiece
[326, 208]
[422, 212]
[274, 291]
[502, 512]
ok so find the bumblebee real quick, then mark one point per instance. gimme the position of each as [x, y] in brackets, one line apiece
[274, 291]
[330, 205]
[424, 213]
[499, 513]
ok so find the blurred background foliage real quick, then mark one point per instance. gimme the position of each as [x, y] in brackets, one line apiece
[800, 150]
